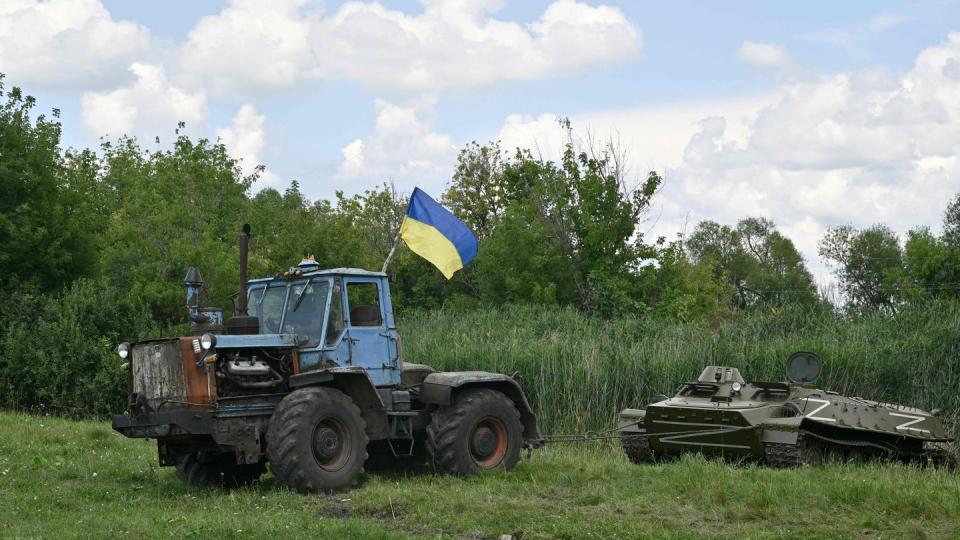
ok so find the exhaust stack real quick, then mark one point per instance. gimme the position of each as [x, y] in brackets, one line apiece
[244, 247]
[242, 322]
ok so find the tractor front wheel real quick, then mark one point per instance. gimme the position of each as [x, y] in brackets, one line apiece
[479, 431]
[317, 440]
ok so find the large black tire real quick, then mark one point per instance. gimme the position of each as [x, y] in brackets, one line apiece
[217, 470]
[480, 431]
[317, 441]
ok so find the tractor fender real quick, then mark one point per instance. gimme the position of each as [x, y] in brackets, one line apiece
[354, 382]
[439, 389]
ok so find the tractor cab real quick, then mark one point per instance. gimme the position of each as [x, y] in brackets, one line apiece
[341, 317]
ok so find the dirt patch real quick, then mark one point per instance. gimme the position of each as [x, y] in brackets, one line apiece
[334, 508]
[389, 511]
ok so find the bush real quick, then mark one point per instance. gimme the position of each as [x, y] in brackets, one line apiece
[59, 351]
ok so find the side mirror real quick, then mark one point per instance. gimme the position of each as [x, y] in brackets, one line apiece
[804, 367]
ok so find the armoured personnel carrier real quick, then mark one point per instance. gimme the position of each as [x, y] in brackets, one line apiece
[781, 423]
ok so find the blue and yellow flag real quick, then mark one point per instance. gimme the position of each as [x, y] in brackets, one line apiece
[435, 234]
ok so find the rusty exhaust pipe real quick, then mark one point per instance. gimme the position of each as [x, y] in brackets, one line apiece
[244, 247]
[242, 322]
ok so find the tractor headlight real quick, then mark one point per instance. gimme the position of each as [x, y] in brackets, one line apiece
[208, 341]
[123, 350]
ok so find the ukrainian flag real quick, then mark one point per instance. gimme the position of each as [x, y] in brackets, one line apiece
[435, 234]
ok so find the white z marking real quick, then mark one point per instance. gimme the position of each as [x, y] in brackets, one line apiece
[675, 439]
[813, 414]
[913, 420]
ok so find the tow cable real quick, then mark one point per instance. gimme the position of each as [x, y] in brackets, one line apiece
[592, 436]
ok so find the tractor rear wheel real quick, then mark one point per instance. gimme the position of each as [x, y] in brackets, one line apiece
[480, 431]
[317, 440]
[217, 470]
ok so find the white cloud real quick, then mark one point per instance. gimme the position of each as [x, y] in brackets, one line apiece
[452, 43]
[403, 148]
[860, 148]
[771, 57]
[262, 45]
[66, 43]
[148, 107]
[852, 37]
[764, 55]
[655, 136]
[245, 140]
[352, 158]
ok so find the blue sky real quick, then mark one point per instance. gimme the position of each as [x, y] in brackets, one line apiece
[813, 114]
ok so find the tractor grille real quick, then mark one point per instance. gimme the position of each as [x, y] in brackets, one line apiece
[158, 372]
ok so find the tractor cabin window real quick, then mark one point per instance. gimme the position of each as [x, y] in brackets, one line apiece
[266, 304]
[305, 307]
[364, 299]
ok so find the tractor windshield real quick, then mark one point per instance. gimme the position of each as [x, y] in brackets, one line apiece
[305, 307]
[266, 303]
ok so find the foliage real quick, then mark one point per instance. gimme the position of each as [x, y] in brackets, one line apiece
[173, 209]
[763, 267]
[951, 223]
[479, 192]
[59, 352]
[46, 234]
[578, 218]
[686, 291]
[932, 265]
[868, 263]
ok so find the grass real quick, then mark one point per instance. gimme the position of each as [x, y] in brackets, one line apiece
[65, 478]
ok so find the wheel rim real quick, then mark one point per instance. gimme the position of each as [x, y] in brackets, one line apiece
[488, 442]
[331, 444]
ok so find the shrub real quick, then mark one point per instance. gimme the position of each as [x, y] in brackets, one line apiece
[59, 351]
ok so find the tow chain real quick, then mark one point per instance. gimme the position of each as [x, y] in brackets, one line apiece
[587, 436]
[590, 436]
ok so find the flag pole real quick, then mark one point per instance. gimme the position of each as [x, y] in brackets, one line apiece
[396, 241]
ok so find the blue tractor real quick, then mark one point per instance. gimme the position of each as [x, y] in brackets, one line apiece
[307, 376]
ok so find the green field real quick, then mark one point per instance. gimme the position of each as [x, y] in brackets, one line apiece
[65, 478]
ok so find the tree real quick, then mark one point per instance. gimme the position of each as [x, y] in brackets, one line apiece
[932, 264]
[868, 264]
[518, 263]
[591, 212]
[174, 209]
[46, 234]
[951, 223]
[685, 290]
[479, 193]
[762, 266]
[578, 215]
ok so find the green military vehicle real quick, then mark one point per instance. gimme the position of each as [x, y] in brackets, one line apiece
[781, 423]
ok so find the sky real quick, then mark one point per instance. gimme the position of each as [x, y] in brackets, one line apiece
[812, 114]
